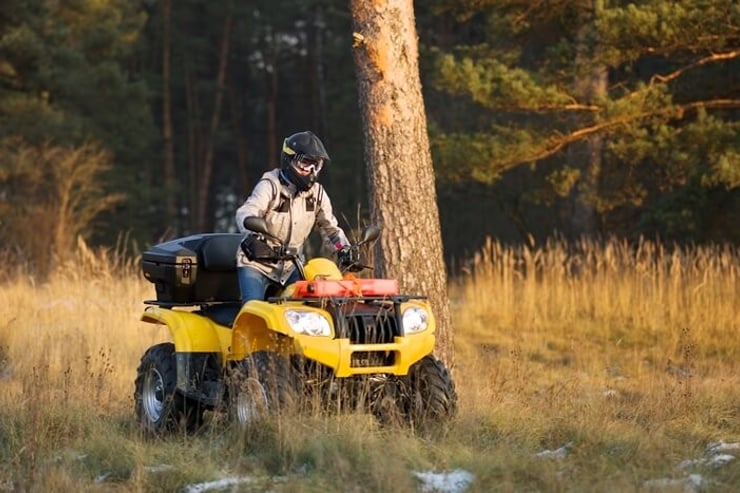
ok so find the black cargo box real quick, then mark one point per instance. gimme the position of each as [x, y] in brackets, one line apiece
[194, 269]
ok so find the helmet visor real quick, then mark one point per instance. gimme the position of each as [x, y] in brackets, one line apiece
[308, 165]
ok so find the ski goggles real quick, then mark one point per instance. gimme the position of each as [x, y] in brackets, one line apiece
[309, 165]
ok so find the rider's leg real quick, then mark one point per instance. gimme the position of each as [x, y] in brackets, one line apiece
[252, 284]
[295, 276]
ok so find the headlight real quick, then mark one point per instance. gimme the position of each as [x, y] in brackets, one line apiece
[415, 320]
[308, 323]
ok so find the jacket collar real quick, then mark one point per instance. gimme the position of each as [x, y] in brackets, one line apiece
[292, 189]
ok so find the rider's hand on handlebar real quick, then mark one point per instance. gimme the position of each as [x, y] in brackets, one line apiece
[346, 257]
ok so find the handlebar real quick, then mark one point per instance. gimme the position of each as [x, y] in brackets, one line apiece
[283, 253]
[259, 225]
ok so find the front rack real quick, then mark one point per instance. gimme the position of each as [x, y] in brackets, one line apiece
[174, 304]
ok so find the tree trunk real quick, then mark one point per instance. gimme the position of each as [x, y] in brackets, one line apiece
[167, 128]
[317, 66]
[240, 138]
[272, 84]
[194, 147]
[590, 85]
[403, 197]
[204, 187]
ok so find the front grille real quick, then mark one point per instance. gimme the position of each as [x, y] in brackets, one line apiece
[364, 359]
[364, 323]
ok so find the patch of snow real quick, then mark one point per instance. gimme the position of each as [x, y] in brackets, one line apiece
[216, 485]
[558, 453]
[229, 483]
[159, 468]
[715, 456]
[100, 478]
[456, 481]
[720, 460]
[717, 460]
[691, 483]
[722, 446]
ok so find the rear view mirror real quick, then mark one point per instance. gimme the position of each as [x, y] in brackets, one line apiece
[371, 233]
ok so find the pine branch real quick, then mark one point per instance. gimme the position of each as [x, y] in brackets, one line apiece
[541, 108]
[710, 59]
[557, 143]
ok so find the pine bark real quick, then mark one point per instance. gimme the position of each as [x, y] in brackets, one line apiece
[586, 156]
[403, 197]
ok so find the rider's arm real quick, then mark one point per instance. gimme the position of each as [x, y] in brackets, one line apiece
[256, 204]
[328, 225]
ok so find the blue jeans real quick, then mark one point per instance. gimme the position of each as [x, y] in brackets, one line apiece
[253, 284]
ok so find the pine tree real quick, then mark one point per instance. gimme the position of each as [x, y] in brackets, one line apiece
[403, 195]
[665, 124]
[68, 95]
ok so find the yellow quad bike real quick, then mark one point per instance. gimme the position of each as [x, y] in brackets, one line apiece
[330, 341]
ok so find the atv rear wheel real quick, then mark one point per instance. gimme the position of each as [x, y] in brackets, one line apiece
[262, 384]
[159, 409]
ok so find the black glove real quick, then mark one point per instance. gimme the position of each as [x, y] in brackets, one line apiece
[256, 248]
[346, 257]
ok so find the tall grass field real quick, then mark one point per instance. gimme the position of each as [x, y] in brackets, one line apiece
[594, 367]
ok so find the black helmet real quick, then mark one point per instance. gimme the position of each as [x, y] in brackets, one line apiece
[302, 158]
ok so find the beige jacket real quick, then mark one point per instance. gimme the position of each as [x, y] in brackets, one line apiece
[289, 216]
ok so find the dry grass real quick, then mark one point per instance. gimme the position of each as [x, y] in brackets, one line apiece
[629, 355]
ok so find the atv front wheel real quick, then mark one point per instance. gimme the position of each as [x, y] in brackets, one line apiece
[425, 399]
[262, 384]
[159, 409]
[432, 392]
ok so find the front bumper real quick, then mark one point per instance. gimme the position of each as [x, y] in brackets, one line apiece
[347, 359]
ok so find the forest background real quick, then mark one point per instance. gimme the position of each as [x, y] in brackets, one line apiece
[127, 123]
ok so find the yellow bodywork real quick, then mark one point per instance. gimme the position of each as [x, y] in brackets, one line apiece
[191, 332]
[262, 325]
[321, 268]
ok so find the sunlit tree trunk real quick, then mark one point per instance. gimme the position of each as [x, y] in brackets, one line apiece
[590, 85]
[403, 198]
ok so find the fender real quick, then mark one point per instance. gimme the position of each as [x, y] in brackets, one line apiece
[260, 325]
[191, 332]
